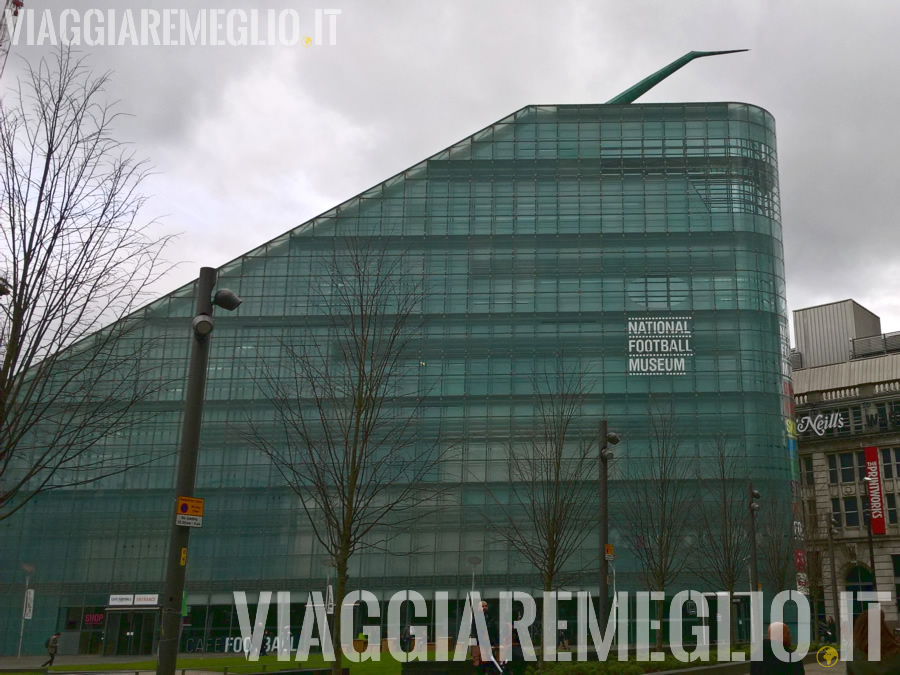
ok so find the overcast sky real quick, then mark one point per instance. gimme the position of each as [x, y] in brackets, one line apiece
[249, 142]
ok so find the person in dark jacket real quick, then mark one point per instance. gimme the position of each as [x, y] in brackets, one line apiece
[486, 663]
[771, 664]
[887, 662]
[406, 638]
[52, 648]
[831, 627]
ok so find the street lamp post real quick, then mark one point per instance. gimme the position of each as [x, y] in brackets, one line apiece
[473, 560]
[29, 570]
[832, 532]
[753, 507]
[201, 326]
[607, 438]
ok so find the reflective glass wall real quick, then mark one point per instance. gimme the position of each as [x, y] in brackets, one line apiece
[641, 244]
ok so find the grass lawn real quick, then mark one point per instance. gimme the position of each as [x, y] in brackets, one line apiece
[238, 664]
[386, 666]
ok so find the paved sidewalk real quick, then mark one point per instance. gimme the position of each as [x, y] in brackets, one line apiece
[816, 669]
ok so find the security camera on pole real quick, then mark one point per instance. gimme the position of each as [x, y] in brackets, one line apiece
[189, 510]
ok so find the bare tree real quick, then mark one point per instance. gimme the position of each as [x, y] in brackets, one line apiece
[74, 258]
[552, 497]
[776, 542]
[814, 539]
[723, 541]
[659, 500]
[347, 436]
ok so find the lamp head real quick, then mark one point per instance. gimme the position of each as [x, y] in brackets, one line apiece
[613, 438]
[203, 326]
[227, 299]
[756, 494]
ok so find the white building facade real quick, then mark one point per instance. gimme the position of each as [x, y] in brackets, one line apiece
[846, 376]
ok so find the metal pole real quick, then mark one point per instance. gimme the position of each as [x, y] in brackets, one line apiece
[754, 573]
[871, 549]
[834, 592]
[602, 485]
[24, 605]
[184, 481]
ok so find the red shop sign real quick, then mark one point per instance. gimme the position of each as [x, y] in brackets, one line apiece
[876, 491]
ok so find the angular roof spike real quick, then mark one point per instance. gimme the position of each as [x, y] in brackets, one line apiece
[642, 87]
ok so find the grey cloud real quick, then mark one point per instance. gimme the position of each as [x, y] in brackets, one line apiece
[252, 141]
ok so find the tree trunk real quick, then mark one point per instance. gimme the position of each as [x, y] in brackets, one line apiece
[548, 586]
[660, 607]
[340, 589]
[731, 614]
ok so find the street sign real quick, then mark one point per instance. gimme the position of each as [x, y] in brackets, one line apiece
[188, 521]
[28, 611]
[329, 600]
[190, 506]
[610, 552]
[189, 512]
[121, 600]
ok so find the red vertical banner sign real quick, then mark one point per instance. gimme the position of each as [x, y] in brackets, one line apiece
[876, 492]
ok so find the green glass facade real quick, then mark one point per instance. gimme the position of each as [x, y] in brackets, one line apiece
[579, 230]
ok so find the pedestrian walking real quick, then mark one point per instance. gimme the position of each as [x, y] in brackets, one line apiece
[52, 646]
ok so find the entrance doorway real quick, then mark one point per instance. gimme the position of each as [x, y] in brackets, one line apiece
[130, 632]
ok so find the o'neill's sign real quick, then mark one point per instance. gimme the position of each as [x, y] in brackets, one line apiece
[659, 345]
[820, 423]
[876, 494]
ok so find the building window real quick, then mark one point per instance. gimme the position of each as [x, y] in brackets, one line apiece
[807, 465]
[812, 516]
[861, 464]
[832, 469]
[836, 512]
[887, 466]
[847, 473]
[892, 509]
[851, 512]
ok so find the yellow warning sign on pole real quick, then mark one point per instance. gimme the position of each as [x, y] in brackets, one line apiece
[189, 512]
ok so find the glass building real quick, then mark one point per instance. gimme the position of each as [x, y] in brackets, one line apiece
[587, 231]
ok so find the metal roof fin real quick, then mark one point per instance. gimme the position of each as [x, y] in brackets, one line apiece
[642, 87]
